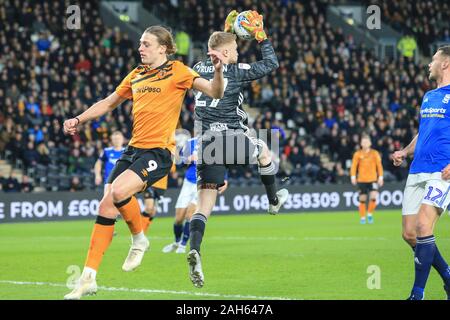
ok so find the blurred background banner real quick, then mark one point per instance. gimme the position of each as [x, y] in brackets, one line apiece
[54, 206]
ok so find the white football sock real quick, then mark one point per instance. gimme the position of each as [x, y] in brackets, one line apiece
[140, 237]
[89, 272]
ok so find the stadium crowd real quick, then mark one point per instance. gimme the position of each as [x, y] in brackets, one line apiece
[326, 92]
[426, 20]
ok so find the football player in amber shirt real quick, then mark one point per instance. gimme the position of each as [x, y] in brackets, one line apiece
[367, 172]
[157, 89]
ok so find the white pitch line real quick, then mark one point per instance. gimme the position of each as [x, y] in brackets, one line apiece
[188, 293]
[343, 238]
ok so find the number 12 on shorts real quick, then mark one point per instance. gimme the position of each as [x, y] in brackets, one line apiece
[436, 196]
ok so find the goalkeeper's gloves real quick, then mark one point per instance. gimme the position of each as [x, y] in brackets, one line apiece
[255, 25]
[229, 21]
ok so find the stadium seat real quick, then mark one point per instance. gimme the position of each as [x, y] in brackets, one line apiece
[53, 169]
[64, 182]
[31, 172]
[52, 182]
[87, 180]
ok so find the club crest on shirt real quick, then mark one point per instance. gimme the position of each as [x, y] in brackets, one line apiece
[446, 99]
[162, 73]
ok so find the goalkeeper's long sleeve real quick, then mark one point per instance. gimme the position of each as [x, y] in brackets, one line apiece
[256, 70]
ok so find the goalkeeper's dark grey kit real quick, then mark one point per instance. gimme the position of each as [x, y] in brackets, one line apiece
[226, 113]
[225, 117]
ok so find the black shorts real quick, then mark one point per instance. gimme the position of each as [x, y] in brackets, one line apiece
[218, 152]
[154, 193]
[149, 164]
[366, 187]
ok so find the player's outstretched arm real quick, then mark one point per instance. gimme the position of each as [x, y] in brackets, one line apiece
[214, 88]
[261, 68]
[399, 156]
[96, 110]
[255, 26]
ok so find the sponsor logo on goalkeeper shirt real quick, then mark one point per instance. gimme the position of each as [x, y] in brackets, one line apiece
[209, 69]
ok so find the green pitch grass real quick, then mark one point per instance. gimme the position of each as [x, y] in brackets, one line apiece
[294, 256]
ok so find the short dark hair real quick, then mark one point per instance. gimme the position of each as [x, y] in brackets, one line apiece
[445, 50]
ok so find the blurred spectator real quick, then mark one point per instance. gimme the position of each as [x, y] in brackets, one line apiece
[30, 156]
[341, 177]
[11, 184]
[183, 43]
[26, 185]
[75, 184]
[44, 42]
[407, 45]
[44, 154]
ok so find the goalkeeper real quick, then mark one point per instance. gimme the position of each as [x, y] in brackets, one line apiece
[221, 125]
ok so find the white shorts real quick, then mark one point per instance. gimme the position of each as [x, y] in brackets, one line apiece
[188, 194]
[425, 188]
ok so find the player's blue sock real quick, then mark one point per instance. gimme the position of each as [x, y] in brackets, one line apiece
[442, 267]
[197, 229]
[185, 233]
[423, 259]
[178, 231]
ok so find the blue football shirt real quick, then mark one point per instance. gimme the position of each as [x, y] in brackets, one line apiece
[109, 157]
[432, 152]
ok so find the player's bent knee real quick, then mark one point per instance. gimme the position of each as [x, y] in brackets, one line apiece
[119, 193]
[409, 237]
[264, 156]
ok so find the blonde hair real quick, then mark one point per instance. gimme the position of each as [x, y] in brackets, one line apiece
[219, 38]
[164, 37]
